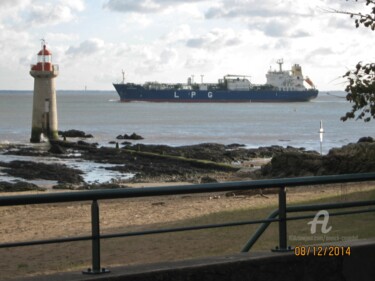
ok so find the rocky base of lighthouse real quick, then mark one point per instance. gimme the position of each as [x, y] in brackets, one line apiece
[37, 132]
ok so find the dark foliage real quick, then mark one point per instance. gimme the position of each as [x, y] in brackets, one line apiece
[361, 81]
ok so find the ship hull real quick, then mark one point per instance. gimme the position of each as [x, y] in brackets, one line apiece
[132, 92]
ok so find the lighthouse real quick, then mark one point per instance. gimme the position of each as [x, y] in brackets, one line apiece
[44, 100]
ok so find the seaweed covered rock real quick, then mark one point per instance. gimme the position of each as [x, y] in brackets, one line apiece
[352, 158]
[18, 186]
[34, 170]
[133, 136]
[292, 164]
[56, 149]
[75, 134]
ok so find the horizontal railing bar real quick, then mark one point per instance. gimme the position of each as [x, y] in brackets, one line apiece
[340, 205]
[43, 242]
[332, 214]
[176, 190]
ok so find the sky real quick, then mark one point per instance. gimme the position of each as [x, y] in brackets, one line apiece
[171, 40]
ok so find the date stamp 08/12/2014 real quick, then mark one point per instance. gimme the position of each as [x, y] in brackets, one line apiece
[322, 251]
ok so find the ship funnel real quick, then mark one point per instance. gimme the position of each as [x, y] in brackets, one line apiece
[297, 70]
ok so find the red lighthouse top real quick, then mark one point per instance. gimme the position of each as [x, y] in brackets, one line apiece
[44, 60]
[44, 51]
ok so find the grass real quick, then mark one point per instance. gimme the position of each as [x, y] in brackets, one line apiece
[184, 245]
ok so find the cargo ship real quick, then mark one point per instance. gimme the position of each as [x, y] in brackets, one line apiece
[281, 86]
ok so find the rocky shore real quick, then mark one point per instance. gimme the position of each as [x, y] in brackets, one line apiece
[202, 163]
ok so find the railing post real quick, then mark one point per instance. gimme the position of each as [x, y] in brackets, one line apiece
[283, 240]
[95, 232]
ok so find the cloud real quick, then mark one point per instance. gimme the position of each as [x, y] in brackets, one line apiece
[178, 34]
[321, 52]
[276, 29]
[86, 48]
[44, 13]
[249, 9]
[165, 60]
[300, 33]
[10, 3]
[168, 56]
[144, 6]
[198, 63]
[341, 23]
[215, 39]
[274, 18]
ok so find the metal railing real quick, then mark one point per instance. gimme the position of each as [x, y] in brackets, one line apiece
[281, 212]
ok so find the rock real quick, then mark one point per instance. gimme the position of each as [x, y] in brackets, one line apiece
[100, 186]
[83, 143]
[34, 170]
[366, 139]
[56, 149]
[349, 159]
[133, 136]
[292, 164]
[75, 134]
[207, 179]
[234, 145]
[19, 186]
[64, 186]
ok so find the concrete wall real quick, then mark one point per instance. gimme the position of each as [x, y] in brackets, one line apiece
[360, 265]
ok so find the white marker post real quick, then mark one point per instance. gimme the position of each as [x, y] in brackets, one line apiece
[321, 132]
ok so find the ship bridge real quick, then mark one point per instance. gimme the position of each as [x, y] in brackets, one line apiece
[286, 80]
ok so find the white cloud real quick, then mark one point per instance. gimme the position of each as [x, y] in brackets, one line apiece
[44, 13]
[166, 59]
[144, 6]
[251, 9]
[64, 38]
[86, 48]
[215, 39]
[180, 33]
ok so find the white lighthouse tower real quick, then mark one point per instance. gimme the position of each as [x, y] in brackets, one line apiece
[44, 100]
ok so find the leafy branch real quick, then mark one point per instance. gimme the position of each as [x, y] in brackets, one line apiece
[361, 91]
[361, 81]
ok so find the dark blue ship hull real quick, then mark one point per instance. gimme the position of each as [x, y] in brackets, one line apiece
[133, 92]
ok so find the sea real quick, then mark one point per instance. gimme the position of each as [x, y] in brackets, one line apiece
[254, 125]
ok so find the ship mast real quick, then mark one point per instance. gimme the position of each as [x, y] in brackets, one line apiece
[280, 63]
[123, 76]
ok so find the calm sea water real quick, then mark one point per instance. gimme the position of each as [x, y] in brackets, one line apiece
[252, 124]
